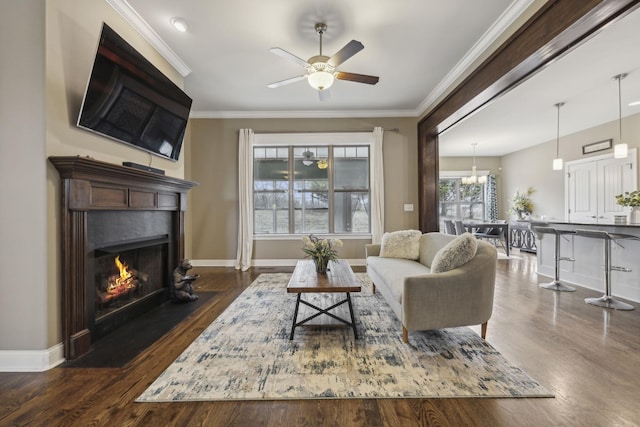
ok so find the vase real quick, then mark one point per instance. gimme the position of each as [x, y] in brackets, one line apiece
[634, 216]
[321, 264]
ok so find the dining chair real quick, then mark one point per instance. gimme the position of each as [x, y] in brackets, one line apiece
[449, 228]
[494, 234]
[460, 228]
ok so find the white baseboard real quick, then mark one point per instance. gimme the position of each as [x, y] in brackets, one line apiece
[260, 262]
[31, 360]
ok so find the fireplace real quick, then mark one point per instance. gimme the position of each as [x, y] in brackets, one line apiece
[122, 235]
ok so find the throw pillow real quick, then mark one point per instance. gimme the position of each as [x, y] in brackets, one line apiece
[457, 252]
[401, 244]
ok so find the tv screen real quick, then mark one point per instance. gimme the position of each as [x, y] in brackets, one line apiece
[128, 99]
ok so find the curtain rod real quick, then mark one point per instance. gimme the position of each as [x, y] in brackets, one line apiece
[395, 130]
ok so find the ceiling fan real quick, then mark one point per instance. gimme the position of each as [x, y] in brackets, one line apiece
[322, 70]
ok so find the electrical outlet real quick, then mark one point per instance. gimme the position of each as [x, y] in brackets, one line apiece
[408, 207]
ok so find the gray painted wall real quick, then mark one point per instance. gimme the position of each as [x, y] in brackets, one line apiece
[23, 256]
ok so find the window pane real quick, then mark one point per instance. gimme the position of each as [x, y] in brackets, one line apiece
[351, 173]
[471, 192]
[472, 211]
[351, 212]
[448, 210]
[271, 212]
[270, 169]
[448, 189]
[311, 212]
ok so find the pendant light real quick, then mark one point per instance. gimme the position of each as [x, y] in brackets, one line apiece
[620, 150]
[474, 178]
[557, 162]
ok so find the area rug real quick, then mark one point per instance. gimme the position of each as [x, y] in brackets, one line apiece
[246, 354]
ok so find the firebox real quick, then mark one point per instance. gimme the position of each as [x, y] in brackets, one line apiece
[130, 278]
[128, 268]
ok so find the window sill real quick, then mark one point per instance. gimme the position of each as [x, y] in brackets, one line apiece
[350, 236]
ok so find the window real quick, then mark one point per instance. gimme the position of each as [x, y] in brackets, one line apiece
[460, 201]
[302, 189]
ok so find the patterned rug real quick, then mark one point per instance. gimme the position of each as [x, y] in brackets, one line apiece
[245, 354]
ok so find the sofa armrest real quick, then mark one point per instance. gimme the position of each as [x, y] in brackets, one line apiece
[462, 296]
[371, 250]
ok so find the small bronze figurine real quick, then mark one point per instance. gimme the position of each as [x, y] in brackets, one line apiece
[181, 289]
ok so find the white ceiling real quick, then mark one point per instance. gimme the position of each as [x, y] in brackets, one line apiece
[416, 47]
[410, 44]
[582, 79]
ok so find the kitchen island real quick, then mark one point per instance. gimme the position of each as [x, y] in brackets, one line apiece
[587, 269]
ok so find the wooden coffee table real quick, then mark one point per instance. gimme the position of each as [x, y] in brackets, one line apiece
[338, 279]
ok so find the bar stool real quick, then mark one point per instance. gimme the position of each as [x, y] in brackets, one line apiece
[556, 285]
[607, 300]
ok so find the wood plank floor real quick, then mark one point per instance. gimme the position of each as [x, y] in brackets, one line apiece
[587, 356]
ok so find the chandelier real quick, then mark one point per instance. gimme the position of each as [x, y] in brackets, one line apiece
[474, 178]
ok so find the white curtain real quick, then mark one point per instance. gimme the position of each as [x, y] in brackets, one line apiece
[245, 199]
[377, 187]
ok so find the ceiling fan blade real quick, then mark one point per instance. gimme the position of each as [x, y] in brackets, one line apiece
[289, 56]
[324, 95]
[360, 78]
[286, 81]
[350, 49]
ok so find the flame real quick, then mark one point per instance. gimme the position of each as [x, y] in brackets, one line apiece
[124, 271]
[122, 282]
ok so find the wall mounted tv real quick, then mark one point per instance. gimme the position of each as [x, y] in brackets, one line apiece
[128, 99]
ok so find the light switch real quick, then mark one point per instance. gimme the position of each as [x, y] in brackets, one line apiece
[408, 207]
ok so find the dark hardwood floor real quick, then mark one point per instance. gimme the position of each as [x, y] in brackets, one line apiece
[587, 356]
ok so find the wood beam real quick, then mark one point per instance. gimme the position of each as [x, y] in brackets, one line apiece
[556, 29]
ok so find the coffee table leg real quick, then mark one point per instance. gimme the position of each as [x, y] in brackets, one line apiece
[295, 317]
[353, 320]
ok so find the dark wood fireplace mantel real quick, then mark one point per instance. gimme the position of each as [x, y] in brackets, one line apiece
[91, 185]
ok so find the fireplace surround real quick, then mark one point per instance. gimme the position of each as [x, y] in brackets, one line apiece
[109, 211]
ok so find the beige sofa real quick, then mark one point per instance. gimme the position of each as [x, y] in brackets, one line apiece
[423, 300]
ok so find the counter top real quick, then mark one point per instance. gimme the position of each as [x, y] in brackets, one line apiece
[582, 223]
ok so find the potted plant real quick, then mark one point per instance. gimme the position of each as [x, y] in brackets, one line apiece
[521, 204]
[631, 199]
[321, 251]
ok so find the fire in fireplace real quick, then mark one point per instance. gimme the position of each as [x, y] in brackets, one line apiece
[122, 286]
[130, 277]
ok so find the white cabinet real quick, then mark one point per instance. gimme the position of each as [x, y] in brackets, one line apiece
[592, 184]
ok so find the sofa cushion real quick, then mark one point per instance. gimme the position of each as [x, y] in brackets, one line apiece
[459, 251]
[392, 273]
[401, 244]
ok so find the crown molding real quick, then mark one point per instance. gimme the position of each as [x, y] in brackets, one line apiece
[508, 17]
[140, 25]
[301, 114]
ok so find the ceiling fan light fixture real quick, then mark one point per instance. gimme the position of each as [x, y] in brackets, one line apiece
[320, 80]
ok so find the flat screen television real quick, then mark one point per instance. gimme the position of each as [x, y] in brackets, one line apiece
[129, 100]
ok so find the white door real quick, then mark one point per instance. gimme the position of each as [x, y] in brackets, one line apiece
[583, 192]
[592, 185]
[615, 176]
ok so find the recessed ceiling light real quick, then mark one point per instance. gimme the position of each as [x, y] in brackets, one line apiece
[179, 24]
[634, 103]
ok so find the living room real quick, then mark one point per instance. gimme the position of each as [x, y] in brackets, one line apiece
[58, 49]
